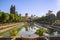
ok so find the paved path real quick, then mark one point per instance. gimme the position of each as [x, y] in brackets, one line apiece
[52, 27]
[49, 27]
[8, 27]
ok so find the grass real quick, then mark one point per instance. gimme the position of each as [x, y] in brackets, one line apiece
[7, 33]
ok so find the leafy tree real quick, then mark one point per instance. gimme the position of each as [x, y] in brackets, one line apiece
[16, 18]
[12, 17]
[43, 19]
[50, 18]
[58, 15]
[1, 16]
[5, 17]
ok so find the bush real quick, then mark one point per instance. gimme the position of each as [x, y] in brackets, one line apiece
[14, 32]
[40, 31]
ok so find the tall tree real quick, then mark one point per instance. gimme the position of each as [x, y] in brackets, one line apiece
[50, 17]
[58, 15]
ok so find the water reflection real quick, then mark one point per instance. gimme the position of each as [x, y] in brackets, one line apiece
[28, 29]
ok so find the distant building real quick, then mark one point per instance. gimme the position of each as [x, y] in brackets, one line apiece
[29, 18]
[26, 16]
[32, 16]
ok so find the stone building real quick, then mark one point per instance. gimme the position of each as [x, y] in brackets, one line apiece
[12, 9]
[26, 16]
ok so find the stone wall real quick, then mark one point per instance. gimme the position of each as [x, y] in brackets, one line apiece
[50, 38]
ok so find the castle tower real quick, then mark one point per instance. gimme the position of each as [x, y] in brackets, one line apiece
[26, 16]
[12, 9]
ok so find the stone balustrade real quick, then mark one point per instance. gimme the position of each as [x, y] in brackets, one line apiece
[20, 38]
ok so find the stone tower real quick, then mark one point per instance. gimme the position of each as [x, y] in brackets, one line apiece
[12, 9]
[26, 16]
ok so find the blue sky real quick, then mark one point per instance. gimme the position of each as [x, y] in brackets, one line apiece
[35, 7]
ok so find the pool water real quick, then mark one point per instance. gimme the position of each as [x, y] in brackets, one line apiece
[29, 32]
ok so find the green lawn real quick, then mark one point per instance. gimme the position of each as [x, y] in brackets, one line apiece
[7, 33]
